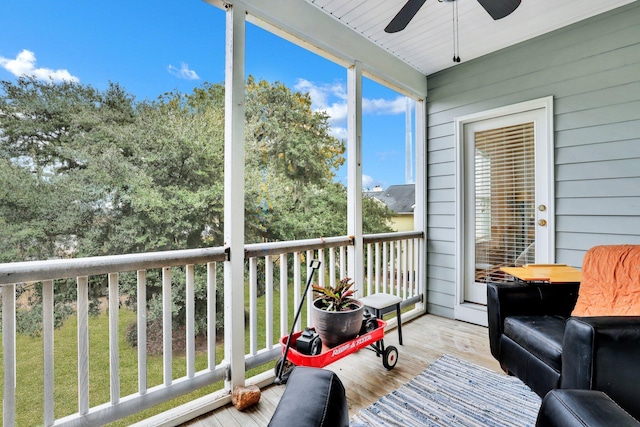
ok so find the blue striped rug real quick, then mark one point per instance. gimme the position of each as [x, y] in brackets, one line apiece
[451, 392]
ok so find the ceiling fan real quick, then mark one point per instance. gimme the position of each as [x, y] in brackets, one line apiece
[496, 8]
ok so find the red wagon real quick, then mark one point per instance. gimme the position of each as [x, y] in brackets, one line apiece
[370, 335]
[372, 339]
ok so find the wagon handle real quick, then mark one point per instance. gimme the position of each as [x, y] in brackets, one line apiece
[314, 264]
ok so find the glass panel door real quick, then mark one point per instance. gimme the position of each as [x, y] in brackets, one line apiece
[503, 191]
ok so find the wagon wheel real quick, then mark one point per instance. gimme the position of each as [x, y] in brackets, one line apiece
[390, 357]
[283, 372]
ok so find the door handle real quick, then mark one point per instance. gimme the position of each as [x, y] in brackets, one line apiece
[542, 222]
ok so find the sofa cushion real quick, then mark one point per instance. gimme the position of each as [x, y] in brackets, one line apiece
[540, 335]
[610, 282]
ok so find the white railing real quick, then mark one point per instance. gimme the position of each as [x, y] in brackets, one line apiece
[276, 273]
[82, 269]
[392, 261]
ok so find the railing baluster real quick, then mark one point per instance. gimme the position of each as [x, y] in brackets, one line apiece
[167, 338]
[211, 315]
[284, 296]
[385, 267]
[296, 287]
[332, 267]
[190, 320]
[320, 273]
[414, 273]
[405, 266]
[309, 297]
[9, 353]
[343, 262]
[410, 267]
[268, 280]
[322, 270]
[83, 344]
[421, 262]
[399, 268]
[369, 268]
[47, 341]
[253, 306]
[141, 278]
[377, 267]
[114, 365]
[392, 267]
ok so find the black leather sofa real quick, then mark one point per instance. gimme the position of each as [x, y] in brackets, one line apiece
[526, 330]
[580, 408]
[534, 337]
[313, 398]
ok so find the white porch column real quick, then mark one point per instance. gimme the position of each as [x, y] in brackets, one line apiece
[420, 210]
[355, 257]
[234, 195]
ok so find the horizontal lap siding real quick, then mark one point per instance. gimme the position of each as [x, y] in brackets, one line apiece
[592, 69]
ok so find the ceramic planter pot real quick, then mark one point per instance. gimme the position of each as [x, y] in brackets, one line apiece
[336, 327]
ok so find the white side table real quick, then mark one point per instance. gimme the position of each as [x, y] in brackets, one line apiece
[382, 304]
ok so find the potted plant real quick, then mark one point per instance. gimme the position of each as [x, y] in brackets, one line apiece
[336, 315]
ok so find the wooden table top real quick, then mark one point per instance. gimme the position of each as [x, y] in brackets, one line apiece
[552, 273]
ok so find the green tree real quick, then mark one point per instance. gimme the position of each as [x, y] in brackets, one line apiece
[86, 172]
[53, 137]
[170, 196]
[290, 166]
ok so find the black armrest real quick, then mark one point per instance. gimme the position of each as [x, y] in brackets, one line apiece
[313, 398]
[603, 353]
[509, 299]
[566, 408]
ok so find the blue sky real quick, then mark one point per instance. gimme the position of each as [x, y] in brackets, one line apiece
[155, 47]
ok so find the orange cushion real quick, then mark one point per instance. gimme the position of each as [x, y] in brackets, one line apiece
[610, 282]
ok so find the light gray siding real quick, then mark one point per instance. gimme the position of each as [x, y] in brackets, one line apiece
[592, 69]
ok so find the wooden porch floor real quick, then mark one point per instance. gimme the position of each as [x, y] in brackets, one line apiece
[365, 379]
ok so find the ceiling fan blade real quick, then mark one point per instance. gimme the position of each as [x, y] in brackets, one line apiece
[401, 20]
[499, 8]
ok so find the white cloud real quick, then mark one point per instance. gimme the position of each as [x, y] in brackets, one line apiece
[385, 106]
[320, 94]
[184, 72]
[337, 112]
[339, 132]
[25, 65]
[328, 97]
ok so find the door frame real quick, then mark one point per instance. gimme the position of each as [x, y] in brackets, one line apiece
[477, 313]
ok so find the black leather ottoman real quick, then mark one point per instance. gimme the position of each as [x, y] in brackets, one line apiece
[313, 398]
[580, 408]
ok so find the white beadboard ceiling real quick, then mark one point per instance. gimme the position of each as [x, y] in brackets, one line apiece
[427, 42]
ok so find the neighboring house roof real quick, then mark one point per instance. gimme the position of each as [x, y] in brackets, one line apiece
[399, 198]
